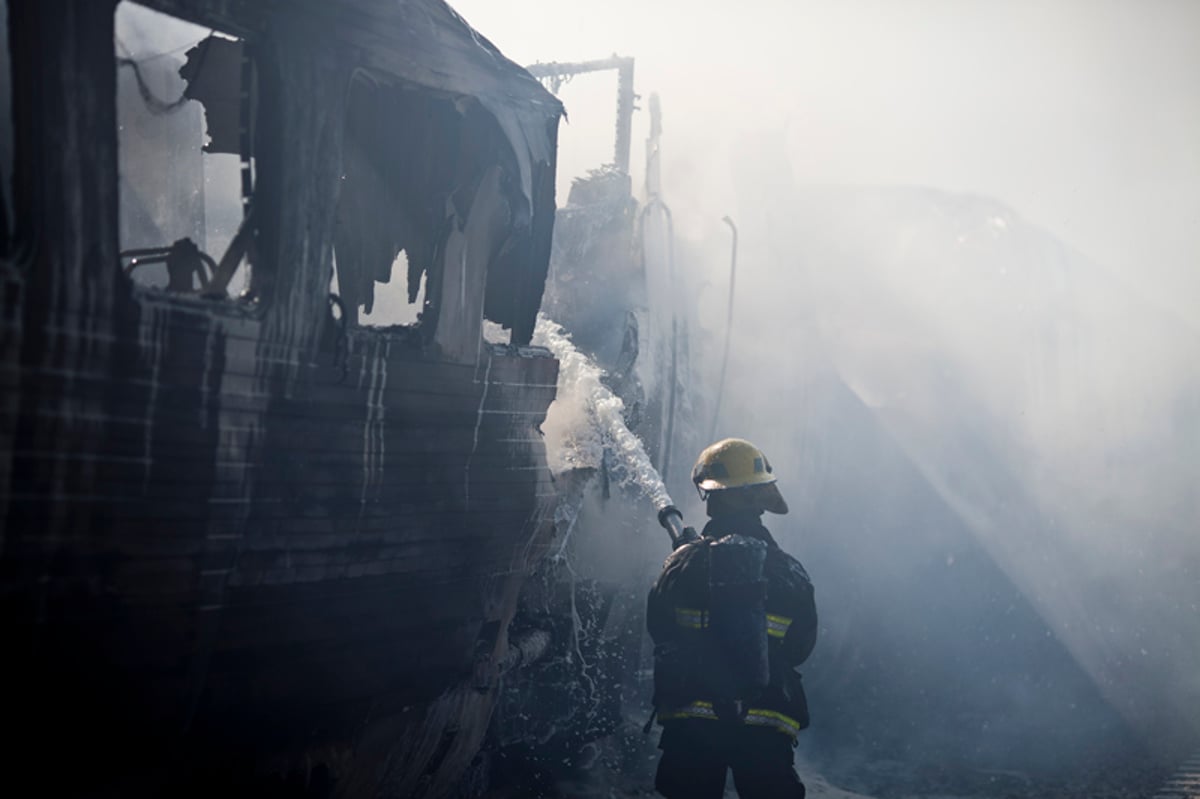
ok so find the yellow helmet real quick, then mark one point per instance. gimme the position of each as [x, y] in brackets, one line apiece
[732, 463]
[737, 464]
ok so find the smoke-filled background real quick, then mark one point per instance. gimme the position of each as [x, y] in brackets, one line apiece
[1081, 115]
[965, 331]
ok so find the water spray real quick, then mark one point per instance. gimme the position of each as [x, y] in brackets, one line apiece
[605, 429]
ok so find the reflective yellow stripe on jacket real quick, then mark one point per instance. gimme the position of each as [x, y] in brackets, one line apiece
[755, 717]
[777, 626]
[691, 618]
[694, 619]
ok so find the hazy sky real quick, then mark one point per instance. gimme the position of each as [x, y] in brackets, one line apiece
[1083, 115]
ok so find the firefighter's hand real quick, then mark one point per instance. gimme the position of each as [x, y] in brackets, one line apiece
[689, 535]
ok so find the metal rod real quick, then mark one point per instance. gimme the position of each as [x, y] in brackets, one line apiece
[556, 72]
[673, 382]
[728, 329]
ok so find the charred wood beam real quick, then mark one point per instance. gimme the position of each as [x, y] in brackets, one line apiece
[299, 156]
[65, 139]
[65, 198]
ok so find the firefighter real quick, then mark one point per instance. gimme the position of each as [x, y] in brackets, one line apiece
[732, 616]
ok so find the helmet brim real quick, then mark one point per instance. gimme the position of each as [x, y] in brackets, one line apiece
[757, 496]
[773, 501]
[713, 484]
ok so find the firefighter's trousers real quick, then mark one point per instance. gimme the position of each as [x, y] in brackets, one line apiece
[698, 752]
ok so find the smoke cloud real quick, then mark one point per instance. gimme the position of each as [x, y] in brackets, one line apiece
[965, 332]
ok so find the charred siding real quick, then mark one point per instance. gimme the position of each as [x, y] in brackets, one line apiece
[243, 532]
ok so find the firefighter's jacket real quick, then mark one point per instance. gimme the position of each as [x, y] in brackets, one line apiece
[732, 616]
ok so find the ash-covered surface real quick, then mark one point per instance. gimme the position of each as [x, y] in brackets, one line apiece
[1121, 778]
[623, 765]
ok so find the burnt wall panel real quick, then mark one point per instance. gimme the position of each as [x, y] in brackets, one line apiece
[362, 517]
[225, 522]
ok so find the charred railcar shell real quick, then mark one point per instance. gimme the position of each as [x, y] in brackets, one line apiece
[245, 534]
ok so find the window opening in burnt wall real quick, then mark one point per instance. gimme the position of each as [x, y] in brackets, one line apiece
[389, 303]
[185, 102]
[392, 207]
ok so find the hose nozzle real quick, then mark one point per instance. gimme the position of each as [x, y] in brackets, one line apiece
[671, 519]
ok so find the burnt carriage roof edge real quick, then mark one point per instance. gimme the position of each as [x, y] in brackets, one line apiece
[425, 42]
[426, 45]
[422, 42]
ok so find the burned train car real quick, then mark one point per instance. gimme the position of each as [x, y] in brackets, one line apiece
[246, 534]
